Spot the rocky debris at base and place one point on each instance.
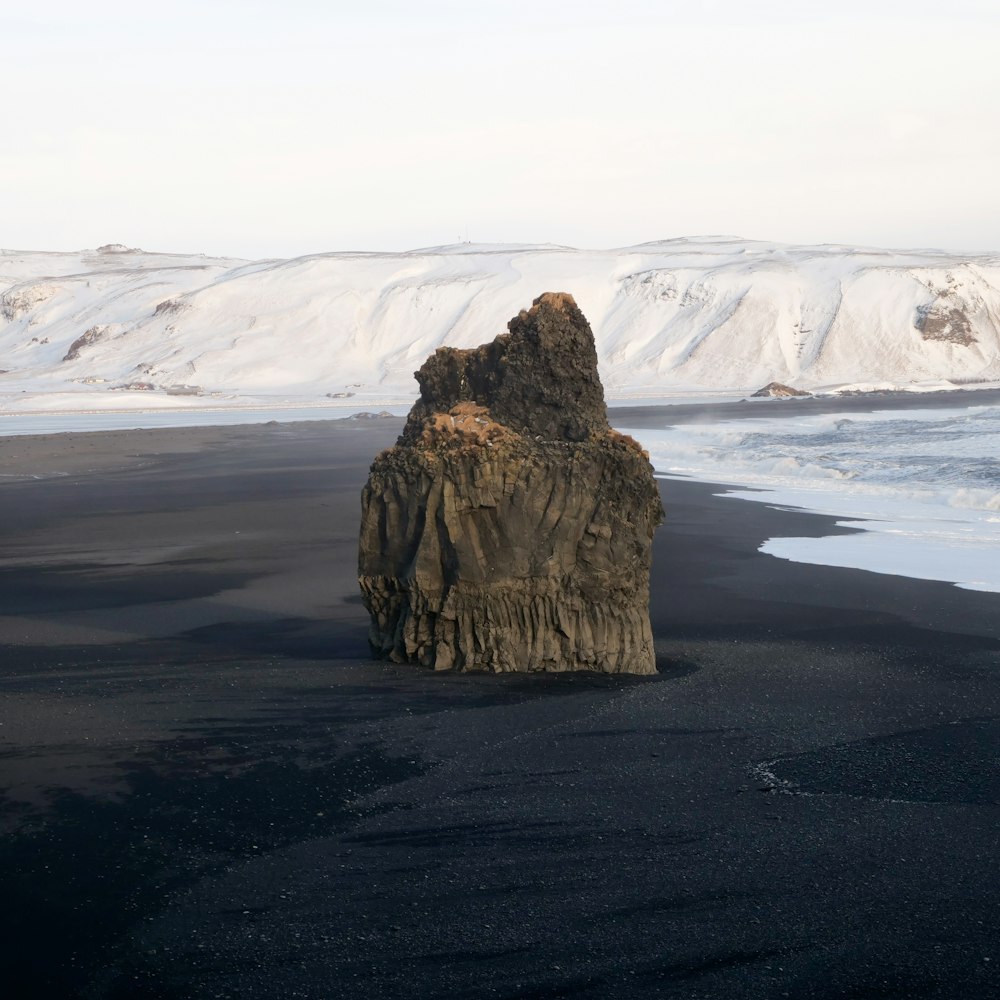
(510, 528)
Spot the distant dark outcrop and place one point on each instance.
(945, 322)
(777, 390)
(91, 336)
(510, 527)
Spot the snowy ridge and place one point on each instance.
(718, 314)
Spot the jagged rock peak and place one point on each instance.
(540, 378)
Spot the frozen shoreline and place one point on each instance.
(65, 412)
(76, 421)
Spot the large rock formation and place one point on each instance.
(510, 527)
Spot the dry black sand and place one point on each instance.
(210, 791)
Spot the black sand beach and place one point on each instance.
(209, 790)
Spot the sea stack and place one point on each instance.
(510, 528)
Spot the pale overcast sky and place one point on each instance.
(258, 128)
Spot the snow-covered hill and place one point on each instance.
(708, 313)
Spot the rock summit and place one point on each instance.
(510, 528)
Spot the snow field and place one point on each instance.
(711, 314)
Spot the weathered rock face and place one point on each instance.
(510, 527)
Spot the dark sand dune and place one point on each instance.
(210, 791)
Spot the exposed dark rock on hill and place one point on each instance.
(777, 390)
(945, 322)
(510, 527)
(91, 336)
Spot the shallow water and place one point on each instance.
(922, 486)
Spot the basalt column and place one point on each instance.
(510, 527)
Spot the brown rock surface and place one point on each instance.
(777, 390)
(510, 527)
(945, 322)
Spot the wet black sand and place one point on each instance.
(209, 791)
